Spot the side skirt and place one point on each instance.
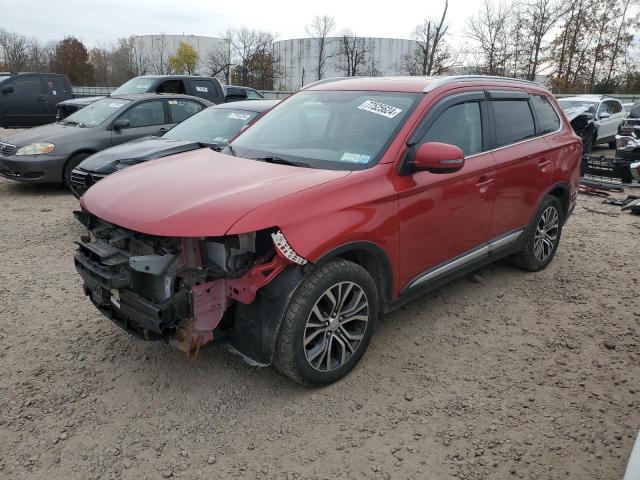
(495, 250)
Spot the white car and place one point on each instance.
(607, 114)
(633, 468)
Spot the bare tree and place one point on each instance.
(39, 55)
(488, 28)
(540, 18)
(353, 53)
(252, 51)
(319, 30)
(431, 54)
(160, 55)
(218, 59)
(15, 51)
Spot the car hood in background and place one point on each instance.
(136, 151)
(573, 113)
(51, 133)
(196, 194)
(81, 102)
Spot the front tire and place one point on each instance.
(72, 163)
(542, 237)
(328, 324)
(588, 144)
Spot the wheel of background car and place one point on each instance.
(587, 143)
(72, 163)
(542, 236)
(328, 324)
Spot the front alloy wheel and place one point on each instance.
(336, 325)
(328, 323)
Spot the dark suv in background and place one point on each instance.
(30, 99)
(208, 88)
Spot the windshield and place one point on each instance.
(3, 78)
(96, 112)
(135, 85)
(212, 126)
(585, 104)
(328, 129)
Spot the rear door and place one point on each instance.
(27, 104)
(146, 118)
(523, 160)
(58, 90)
(206, 89)
(180, 109)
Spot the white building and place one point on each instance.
(156, 49)
(298, 59)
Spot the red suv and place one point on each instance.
(346, 200)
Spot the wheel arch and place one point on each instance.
(562, 191)
(372, 258)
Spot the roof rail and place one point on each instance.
(326, 80)
(463, 78)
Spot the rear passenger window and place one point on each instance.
(29, 85)
(183, 109)
(514, 121)
(459, 125)
(547, 116)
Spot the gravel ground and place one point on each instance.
(503, 374)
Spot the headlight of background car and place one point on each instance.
(35, 149)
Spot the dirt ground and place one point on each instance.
(503, 374)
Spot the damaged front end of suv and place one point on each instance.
(187, 290)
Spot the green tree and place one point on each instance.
(185, 60)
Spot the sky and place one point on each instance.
(98, 22)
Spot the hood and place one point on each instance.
(136, 151)
(51, 133)
(196, 194)
(81, 102)
(573, 113)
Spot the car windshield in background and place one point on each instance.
(96, 113)
(213, 126)
(135, 85)
(327, 129)
(570, 104)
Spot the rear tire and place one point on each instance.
(72, 163)
(542, 237)
(328, 324)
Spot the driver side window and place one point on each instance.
(459, 125)
(145, 114)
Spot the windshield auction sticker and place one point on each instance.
(238, 116)
(378, 108)
(354, 158)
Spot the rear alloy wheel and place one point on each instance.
(72, 163)
(542, 237)
(328, 324)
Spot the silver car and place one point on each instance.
(49, 153)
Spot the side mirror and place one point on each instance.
(604, 115)
(121, 123)
(7, 89)
(438, 157)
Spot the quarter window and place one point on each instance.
(145, 114)
(459, 125)
(183, 109)
(547, 117)
(514, 121)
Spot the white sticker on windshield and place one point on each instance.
(355, 158)
(116, 105)
(239, 116)
(202, 89)
(378, 108)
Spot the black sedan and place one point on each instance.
(49, 153)
(211, 128)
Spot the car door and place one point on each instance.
(523, 161)
(57, 91)
(445, 216)
(24, 101)
(180, 109)
(146, 118)
(606, 121)
(204, 89)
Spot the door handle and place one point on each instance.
(544, 163)
(484, 182)
(163, 129)
(42, 98)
